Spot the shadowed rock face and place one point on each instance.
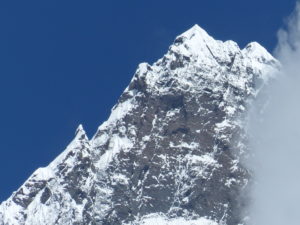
(171, 147)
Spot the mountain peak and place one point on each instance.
(195, 42)
(255, 50)
(194, 35)
(175, 134)
(195, 30)
(80, 132)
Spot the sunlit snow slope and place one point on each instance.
(169, 152)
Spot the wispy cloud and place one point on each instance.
(276, 137)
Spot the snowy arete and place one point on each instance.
(168, 154)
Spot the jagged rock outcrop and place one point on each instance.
(169, 152)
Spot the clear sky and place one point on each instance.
(66, 62)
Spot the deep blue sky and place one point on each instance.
(66, 62)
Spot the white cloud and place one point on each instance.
(275, 136)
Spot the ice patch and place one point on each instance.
(116, 145)
(223, 125)
(158, 219)
(192, 145)
(203, 159)
(43, 174)
(118, 113)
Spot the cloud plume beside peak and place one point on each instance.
(275, 136)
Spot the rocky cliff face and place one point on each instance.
(169, 152)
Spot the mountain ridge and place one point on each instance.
(172, 141)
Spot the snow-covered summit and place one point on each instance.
(256, 51)
(197, 32)
(168, 154)
(80, 131)
(195, 51)
(197, 42)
